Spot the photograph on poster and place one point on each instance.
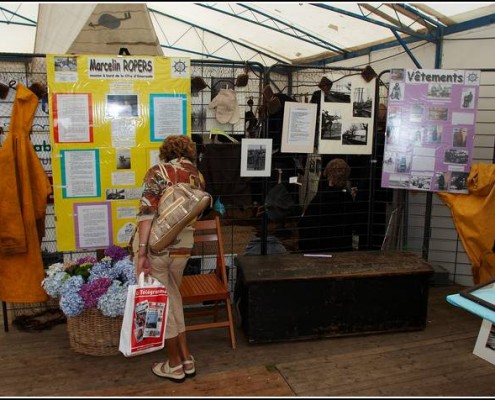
(417, 112)
(397, 91)
(403, 163)
(388, 161)
(362, 104)
(355, 134)
(256, 157)
(198, 119)
(65, 64)
(122, 105)
(440, 180)
(433, 134)
(458, 181)
(392, 134)
(115, 194)
(123, 158)
(397, 74)
(399, 181)
(331, 125)
(438, 91)
(467, 98)
(438, 114)
(420, 182)
(340, 92)
(417, 135)
(459, 137)
(456, 156)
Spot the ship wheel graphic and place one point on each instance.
(179, 66)
(472, 77)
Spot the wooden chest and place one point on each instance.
(292, 296)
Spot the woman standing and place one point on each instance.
(178, 153)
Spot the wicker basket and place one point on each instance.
(94, 334)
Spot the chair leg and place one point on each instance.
(231, 324)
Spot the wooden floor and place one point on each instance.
(437, 361)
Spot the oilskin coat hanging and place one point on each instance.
(24, 189)
(474, 215)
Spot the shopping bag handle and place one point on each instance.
(147, 280)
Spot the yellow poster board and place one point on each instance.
(109, 116)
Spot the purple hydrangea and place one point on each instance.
(116, 253)
(92, 291)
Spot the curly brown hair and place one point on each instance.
(176, 146)
(337, 172)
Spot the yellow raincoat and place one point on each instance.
(474, 217)
(24, 189)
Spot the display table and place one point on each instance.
(292, 296)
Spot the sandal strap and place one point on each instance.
(189, 362)
(166, 368)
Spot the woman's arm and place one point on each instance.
(143, 264)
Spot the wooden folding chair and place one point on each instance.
(210, 288)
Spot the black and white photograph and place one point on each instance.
(355, 134)
(122, 105)
(439, 91)
(362, 104)
(198, 119)
(420, 182)
(256, 157)
(115, 194)
(458, 182)
(123, 158)
(417, 112)
(467, 98)
(456, 156)
(65, 64)
(396, 91)
(331, 125)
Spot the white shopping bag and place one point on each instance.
(145, 318)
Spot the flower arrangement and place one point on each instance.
(87, 283)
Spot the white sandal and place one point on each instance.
(191, 371)
(164, 370)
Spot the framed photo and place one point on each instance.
(485, 344)
(482, 294)
(256, 157)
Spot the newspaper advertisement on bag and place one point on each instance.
(145, 318)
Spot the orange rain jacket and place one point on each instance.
(474, 219)
(24, 189)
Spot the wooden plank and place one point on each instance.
(258, 381)
(436, 361)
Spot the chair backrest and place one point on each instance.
(208, 241)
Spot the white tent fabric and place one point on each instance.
(59, 25)
(266, 32)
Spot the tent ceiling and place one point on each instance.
(265, 32)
